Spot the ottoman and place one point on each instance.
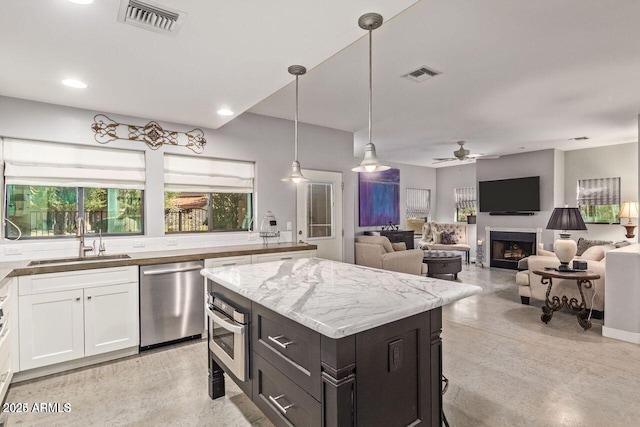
(442, 262)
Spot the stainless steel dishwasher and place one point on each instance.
(171, 302)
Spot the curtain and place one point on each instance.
(208, 175)
(600, 191)
(418, 202)
(465, 197)
(47, 163)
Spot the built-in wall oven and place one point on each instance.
(229, 335)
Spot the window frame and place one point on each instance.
(79, 208)
(595, 206)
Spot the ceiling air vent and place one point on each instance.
(150, 16)
(422, 74)
(580, 138)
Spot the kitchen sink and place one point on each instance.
(77, 259)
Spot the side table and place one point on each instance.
(556, 303)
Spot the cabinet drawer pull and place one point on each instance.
(286, 257)
(3, 298)
(4, 376)
(78, 299)
(229, 264)
(281, 344)
(89, 297)
(281, 408)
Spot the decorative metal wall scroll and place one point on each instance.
(152, 134)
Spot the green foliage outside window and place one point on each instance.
(202, 212)
(600, 214)
(463, 213)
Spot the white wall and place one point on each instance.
(602, 162)
(447, 179)
(410, 177)
(267, 141)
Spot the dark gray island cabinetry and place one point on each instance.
(330, 344)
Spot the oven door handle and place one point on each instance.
(226, 323)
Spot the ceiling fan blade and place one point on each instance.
(436, 161)
(488, 157)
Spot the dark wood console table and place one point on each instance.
(556, 303)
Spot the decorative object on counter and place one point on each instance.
(565, 219)
(471, 219)
(390, 227)
(269, 227)
(480, 253)
(370, 163)
(629, 210)
(379, 198)
(579, 264)
(296, 175)
(152, 134)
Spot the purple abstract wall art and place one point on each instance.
(379, 198)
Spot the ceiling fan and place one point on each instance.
(462, 154)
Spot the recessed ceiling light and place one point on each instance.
(74, 83)
(81, 1)
(225, 112)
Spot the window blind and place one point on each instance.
(418, 202)
(29, 162)
(465, 197)
(600, 191)
(204, 174)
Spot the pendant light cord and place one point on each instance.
(370, 86)
(295, 150)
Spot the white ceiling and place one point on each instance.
(227, 54)
(517, 76)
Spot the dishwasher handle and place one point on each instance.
(170, 270)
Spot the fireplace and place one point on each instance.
(508, 247)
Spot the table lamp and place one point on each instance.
(629, 210)
(565, 219)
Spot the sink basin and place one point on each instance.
(77, 259)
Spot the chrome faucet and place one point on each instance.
(101, 247)
(80, 233)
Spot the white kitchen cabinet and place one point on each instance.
(7, 322)
(110, 318)
(86, 313)
(227, 261)
(255, 259)
(51, 328)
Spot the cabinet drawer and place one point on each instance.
(255, 259)
(227, 261)
(281, 399)
(51, 282)
(292, 348)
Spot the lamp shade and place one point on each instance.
(628, 210)
(566, 219)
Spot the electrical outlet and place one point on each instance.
(12, 251)
(172, 242)
(139, 244)
(253, 237)
(289, 225)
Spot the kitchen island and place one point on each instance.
(323, 343)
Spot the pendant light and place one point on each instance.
(370, 163)
(295, 175)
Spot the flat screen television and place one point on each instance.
(510, 195)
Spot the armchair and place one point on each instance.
(379, 252)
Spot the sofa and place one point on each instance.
(432, 238)
(379, 252)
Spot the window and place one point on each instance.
(465, 203)
(193, 212)
(48, 185)
(204, 194)
(319, 210)
(46, 211)
(599, 200)
(418, 208)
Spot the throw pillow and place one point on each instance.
(584, 244)
(448, 238)
(622, 244)
(399, 246)
(594, 253)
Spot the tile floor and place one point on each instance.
(506, 368)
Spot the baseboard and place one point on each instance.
(73, 364)
(618, 334)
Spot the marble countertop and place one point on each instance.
(338, 299)
(22, 268)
